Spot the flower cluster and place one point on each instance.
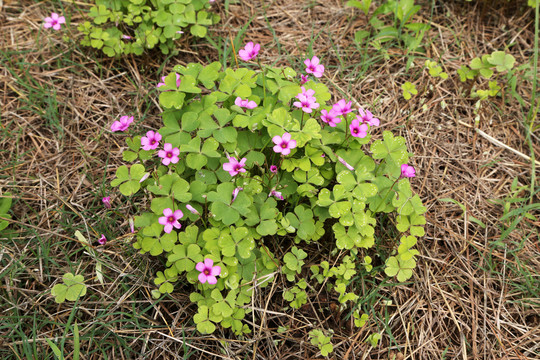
(262, 154)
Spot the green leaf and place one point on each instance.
(393, 150)
(402, 268)
(129, 182)
(502, 61)
(188, 85)
(172, 99)
(409, 89)
(72, 288)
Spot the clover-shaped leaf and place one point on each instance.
(409, 89)
(402, 268)
(185, 257)
(204, 325)
(129, 180)
(502, 61)
(72, 288)
(393, 150)
(240, 242)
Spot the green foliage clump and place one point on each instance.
(130, 26)
(401, 28)
(488, 68)
(332, 186)
(321, 341)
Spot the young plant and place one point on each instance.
(72, 288)
(120, 27)
(321, 341)
(401, 29)
(246, 157)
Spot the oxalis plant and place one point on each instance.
(251, 164)
(130, 26)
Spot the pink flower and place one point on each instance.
(122, 124)
(276, 194)
(341, 160)
(126, 37)
(307, 102)
(151, 140)
(367, 117)
(169, 155)
(211, 1)
(102, 240)
(170, 219)
(342, 107)
(107, 202)
(407, 171)
(248, 104)
(303, 79)
(235, 193)
(208, 271)
(131, 225)
(192, 209)
(55, 21)
(273, 168)
(234, 167)
(358, 130)
(250, 51)
(306, 93)
(284, 144)
(162, 83)
(313, 67)
(144, 177)
(330, 117)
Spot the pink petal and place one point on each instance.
(244, 55)
(286, 137)
(61, 20)
(292, 144)
(168, 228)
(238, 101)
(285, 151)
(54, 16)
(277, 149)
(163, 220)
(202, 278)
(208, 263)
(167, 212)
(178, 214)
(216, 270)
(276, 139)
(116, 126)
(167, 147)
(211, 279)
(227, 167)
(200, 266)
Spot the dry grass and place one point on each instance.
(472, 296)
